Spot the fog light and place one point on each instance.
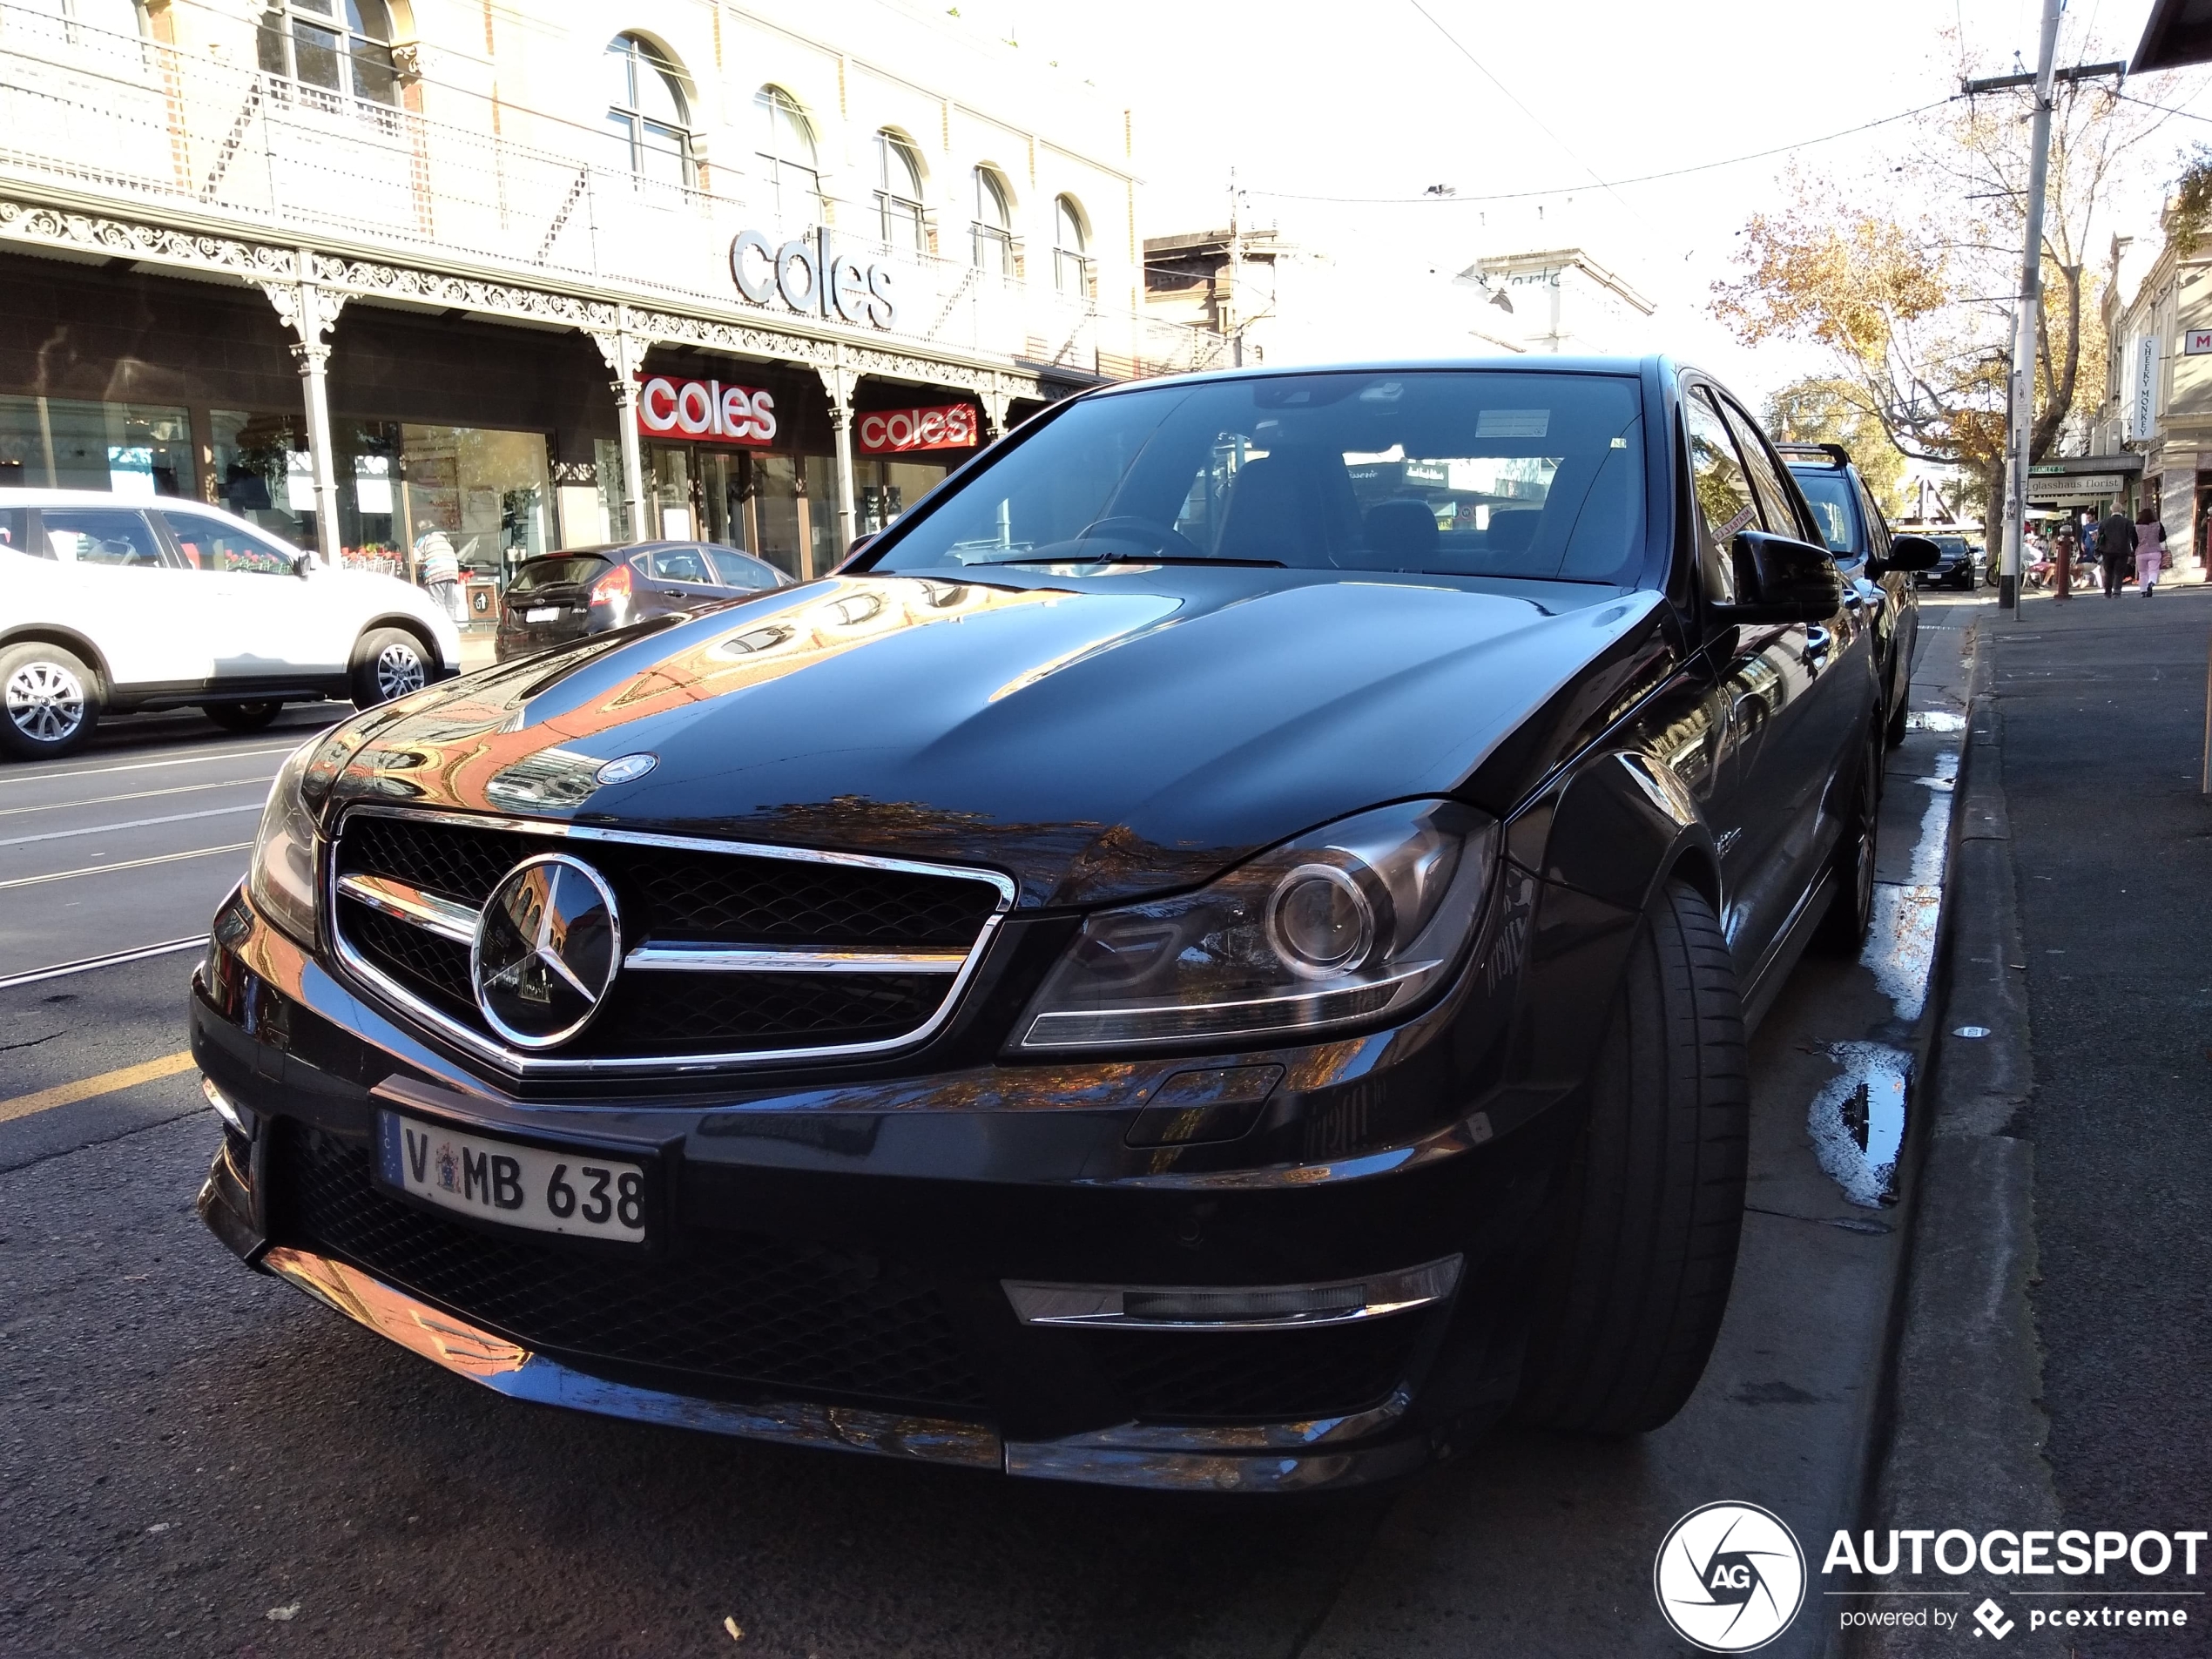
(226, 1109)
(1210, 1307)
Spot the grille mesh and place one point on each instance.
(672, 895)
(731, 1307)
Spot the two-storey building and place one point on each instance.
(551, 275)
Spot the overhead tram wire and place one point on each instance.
(1565, 148)
(1641, 178)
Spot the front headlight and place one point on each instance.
(1352, 921)
(281, 877)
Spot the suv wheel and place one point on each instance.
(1640, 1266)
(49, 702)
(388, 663)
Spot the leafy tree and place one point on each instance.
(1909, 282)
(1826, 410)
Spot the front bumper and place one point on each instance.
(839, 1277)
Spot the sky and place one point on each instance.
(1373, 100)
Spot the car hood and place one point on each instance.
(1135, 734)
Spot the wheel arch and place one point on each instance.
(413, 626)
(76, 645)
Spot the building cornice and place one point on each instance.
(210, 247)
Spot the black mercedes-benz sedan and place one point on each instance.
(1215, 954)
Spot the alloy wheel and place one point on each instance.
(45, 701)
(399, 670)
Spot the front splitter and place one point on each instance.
(1312, 1461)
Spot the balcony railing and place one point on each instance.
(149, 126)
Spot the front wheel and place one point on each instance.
(388, 663)
(49, 702)
(1639, 1269)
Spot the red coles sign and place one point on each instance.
(706, 410)
(890, 432)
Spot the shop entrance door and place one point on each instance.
(699, 495)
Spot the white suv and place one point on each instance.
(115, 605)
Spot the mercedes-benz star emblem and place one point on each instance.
(546, 950)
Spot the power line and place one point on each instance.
(1562, 144)
(1642, 179)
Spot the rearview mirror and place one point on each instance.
(303, 563)
(1912, 553)
(1779, 579)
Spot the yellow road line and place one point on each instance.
(126, 864)
(86, 1088)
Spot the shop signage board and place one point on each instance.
(2085, 487)
(2196, 343)
(808, 275)
(891, 432)
(705, 412)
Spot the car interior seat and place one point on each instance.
(1293, 507)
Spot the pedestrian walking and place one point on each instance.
(2116, 548)
(2151, 549)
(441, 568)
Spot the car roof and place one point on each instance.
(26, 496)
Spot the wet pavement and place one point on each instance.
(200, 1460)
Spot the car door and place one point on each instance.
(1831, 681)
(276, 626)
(1760, 673)
(1904, 600)
(148, 612)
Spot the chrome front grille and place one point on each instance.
(732, 951)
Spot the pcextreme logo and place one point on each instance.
(1730, 1577)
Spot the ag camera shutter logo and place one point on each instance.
(1730, 1577)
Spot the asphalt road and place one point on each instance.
(135, 839)
(196, 1459)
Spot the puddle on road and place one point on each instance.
(1900, 950)
(1857, 1121)
(1934, 720)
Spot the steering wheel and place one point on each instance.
(1163, 538)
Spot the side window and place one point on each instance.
(737, 571)
(210, 544)
(1877, 527)
(103, 536)
(1778, 505)
(15, 533)
(1724, 502)
(680, 564)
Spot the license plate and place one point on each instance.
(574, 1190)
(544, 613)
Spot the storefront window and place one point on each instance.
(133, 449)
(488, 492)
(887, 488)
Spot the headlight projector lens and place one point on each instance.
(1320, 921)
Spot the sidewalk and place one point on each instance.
(2053, 1366)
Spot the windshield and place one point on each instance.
(1446, 471)
(556, 573)
(1830, 493)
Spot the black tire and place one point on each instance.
(388, 663)
(50, 701)
(1893, 732)
(1653, 1206)
(1850, 915)
(241, 716)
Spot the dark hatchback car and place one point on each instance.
(560, 597)
(1215, 954)
(1958, 563)
(1883, 577)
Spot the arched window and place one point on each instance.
(992, 234)
(898, 194)
(646, 118)
(1070, 248)
(343, 46)
(789, 166)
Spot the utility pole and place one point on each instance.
(1235, 309)
(2020, 436)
